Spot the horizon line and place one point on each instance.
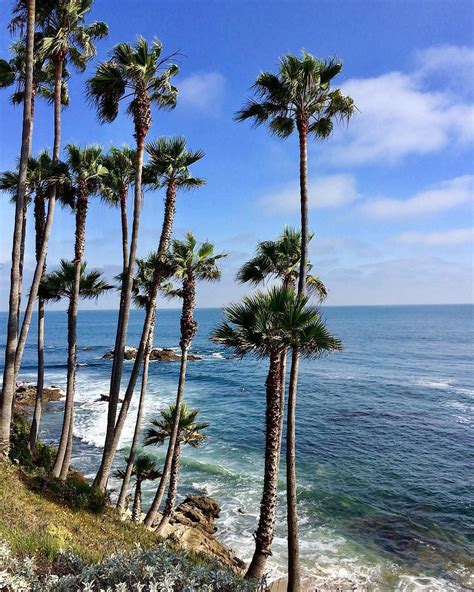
(222, 306)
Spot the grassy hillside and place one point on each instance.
(35, 522)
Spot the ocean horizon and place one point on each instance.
(384, 437)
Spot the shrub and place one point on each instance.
(158, 570)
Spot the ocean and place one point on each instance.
(385, 438)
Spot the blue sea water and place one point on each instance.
(385, 438)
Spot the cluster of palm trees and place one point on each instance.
(278, 324)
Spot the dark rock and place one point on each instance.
(198, 510)
(106, 398)
(25, 394)
(157, 354)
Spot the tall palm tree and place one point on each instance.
(142, 284)
(42, 174)
(8, 388)
(299, 97)
(143, 469)
(86, 172)
(13, 73)
(168, 168)
(280, 259)
(55, 286)
(265, 325)
(120, 164)
(193, 263)
(189, 431)
(141, 73)
(66, 39)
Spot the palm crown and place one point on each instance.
(42, 173)
(169, 163)
(60, 283)
(138, 71)
(120, 165)
(269, 322)
(189, 430)
(144, 468)
(191, 259)
(280, 258)
(144, 275)
(300, 96)
(66, 36)
(85, 167)
(13, 72)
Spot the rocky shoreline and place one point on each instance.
(157, 354)
(25, 394)
(192, 527)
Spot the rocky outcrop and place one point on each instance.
(193, 526)
(25, 394)
(158, 354)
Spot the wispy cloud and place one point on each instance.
(452, 65)
(444, 238)
(446, 195)
(326, 192)
(403, 114)
(203, 91)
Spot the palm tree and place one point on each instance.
(298, 97)
(141, 73)
(142, 284)
(13, 73)
(120, 164)
(168, 168)
(65, 39)
(189, 431)
(86, 171)
(280, 259)
(41, 175)
(265, 325)
(8, 388)
(59, 284)
(143, 469)
(192, 263)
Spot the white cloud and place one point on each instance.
(401, 114)
(414, 280)
(204, 91)
(449, 64)
(446, 195)
(443, 238)
(325, 192)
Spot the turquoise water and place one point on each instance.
(385, 440)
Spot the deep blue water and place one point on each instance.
(385, 438)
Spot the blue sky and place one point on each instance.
(391, 194)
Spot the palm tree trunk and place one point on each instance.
(142, 122)
(137, 502)
(8, 389)
(40, 263)
(188, 330)
(110, 446)
(40, 220)
(35, 422)
(268, 505)
(63, 457)
(172, 490)
(22, 258)
(123, 216)
(136, 434)
(294, 571)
